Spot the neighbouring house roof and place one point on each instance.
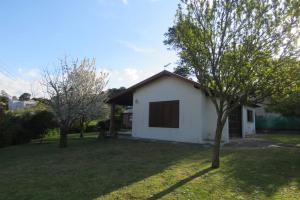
(125, 97)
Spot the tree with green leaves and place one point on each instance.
(4, 99)
(287, 103)
(237, 50)
(25, 97)
(182, 71)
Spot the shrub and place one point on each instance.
(40, 123)
(75, 127)
(12, 130)
(104, 125)
(22, 126)
(91, 128)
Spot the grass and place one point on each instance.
(123, 169)
(292, 139)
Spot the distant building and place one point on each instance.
(16, 104)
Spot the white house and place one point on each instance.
(170, 107)
(16, 104)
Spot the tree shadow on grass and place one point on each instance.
(179, 184)
(87, 168)
(263, 170)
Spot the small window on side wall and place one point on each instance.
(164, 114)
(249, 115)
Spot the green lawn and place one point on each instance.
(291, 139)
(121, 169)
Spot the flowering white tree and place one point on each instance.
(90, 86)
(74, 89)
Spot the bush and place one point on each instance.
(104, 125)
(40, 123)
(75, 127)
(12, 130)
(91, 128)
(22, 126)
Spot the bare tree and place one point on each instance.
(74, 87)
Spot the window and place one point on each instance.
(249, 115)
(164, 114)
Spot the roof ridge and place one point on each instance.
(150, 79)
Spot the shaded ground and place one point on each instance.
(125, 169)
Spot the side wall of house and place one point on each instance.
(210, 118)
(195, 118)
(248, 128)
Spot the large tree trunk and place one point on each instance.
(63, 137)
(216, 150)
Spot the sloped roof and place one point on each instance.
(125, 97)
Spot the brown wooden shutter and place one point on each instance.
(164, 114)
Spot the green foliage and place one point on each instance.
(25, 97)
(238, 50)
(89, 127)
(118, 108)
(115, 91)
(288, 105)
(4, 100)
(104, 124)
(25, 124)
(12, 130)
(40, 122)
(288, 102)
(182, 71)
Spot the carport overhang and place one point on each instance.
(124, 99)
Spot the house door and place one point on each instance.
(235, 123)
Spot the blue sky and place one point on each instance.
(125, 36)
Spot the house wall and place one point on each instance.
(16, 104)
(248, 128)
(197, 116)
(210, 118)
